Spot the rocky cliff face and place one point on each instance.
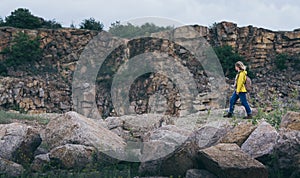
(258, 45)
(49, 90)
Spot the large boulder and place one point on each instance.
(73, 128)
(135, 125)
(175, 149)
(167, 151)
(288, 150)
(72, 156)
(291, 120)
(161, 142)
(174, 164)
(18, 142)
(10, 169)
(210, 135)
(228, 160)
(239, 133)
(261, 142)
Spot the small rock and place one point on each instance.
(199, 173)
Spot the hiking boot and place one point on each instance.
(229, 114)
(249, 116)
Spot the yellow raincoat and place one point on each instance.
(240, 80)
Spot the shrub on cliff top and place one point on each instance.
(91, 24)
(22, 18)
(1, 22)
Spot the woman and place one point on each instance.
(240, 91)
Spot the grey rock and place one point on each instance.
(199, 173)
(288, 150)
(73, 128)
(41, 163)
(10, 168)
(18, 142)
(261, 141)
(228, 160)
(72, 156)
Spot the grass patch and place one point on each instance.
(121, 170)
(9, 117)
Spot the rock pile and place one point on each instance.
(216, 148)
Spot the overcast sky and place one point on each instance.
(271, 14)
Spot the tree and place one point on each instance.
(1, 22)
(52, 24)
(22, 18)
(129, 30)
(91, 24)
(73, 25)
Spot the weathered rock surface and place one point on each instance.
(261, 141)
(291, 120)
(208, 135)
(167, 151)
(10, 168)
(175, 164)
(18, 142)
(162, 141)
(199, 173)
(228, 160)
(288, 150)
(50, 90)
(72, 156)
(41, 163)
(73, 128)
(239, 133)
(74, 142)
(137, 125)
(177, 148)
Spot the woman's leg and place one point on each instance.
(232, 102)
(244, 102)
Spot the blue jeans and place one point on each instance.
(243, 98)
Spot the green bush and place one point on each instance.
(91, 24)
(228, 58)
(283, 60)
(295, 60)
(280, 61)
(24, 50)
(1, 22)
(52, 24)
(3, 69)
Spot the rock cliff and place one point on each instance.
(49, 88)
